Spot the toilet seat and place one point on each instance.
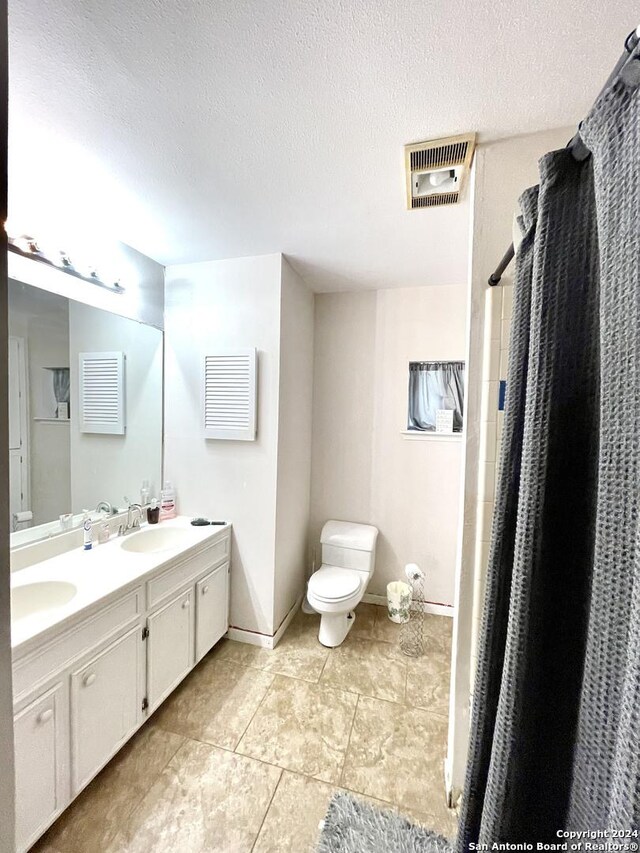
(333, 585)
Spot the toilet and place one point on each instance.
(348, 561)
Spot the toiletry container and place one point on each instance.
(167, 501)
(88, 530)
(153, 512)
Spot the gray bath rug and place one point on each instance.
(356, 827)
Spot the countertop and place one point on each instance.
(97, 574)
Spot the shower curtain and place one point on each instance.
(555, 734)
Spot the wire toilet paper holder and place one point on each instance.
(412, 631)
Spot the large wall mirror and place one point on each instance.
(85, 409)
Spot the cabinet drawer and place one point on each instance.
(212, 609)
(63, 650)
(106, 705)
(41, 755)
(173, 579)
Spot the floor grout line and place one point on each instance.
(324, 666)
(260, 703)
(346, 751)
(255, 841)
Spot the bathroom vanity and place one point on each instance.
(100, 638)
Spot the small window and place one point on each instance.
(435, 386)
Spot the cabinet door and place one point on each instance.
(170, 647)
(106, 705)
(41, 749)
(212, 609)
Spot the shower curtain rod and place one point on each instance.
(575, 145)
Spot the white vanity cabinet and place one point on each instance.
(170, 646)
(212, 609)
(41, 746)
(81, 691)
(106, 705)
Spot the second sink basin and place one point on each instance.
(153, 541)
(39, 597)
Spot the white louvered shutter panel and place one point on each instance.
(230, 395)
(101, 403)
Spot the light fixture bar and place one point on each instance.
(67, 267)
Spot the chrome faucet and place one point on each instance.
(106, 506)
(132, 523)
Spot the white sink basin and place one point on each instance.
(153, 541)
(40, 597)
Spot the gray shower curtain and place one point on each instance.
(555, 735)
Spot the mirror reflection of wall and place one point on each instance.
(40, 445)
(57, 468)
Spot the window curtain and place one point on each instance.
(61, 384)
(435, 385)
(555, 721)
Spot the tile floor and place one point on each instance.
(247, 752)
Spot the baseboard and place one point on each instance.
(429, 606)
(285, 622)
(265, 641)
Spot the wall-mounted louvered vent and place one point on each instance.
(230, 395)
(437, 170)
(435, 200)
(101, 385)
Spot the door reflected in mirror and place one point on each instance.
(85, 411)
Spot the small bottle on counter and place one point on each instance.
(153, 512)
(168, 501)
(104, 532)
(88, 530)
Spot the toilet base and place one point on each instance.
(334, 628)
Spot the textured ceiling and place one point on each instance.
(197, 130)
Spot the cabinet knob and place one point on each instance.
(205, 589)
(185, 603)
(89, 679)
(45, 716)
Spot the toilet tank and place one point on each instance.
(348, 545)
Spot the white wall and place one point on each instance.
(502, 171)
(41, 319)
(364, 469)
(294, 440)
(220, 305)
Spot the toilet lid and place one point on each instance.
(333, 584)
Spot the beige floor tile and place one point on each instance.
(396, 754)
(428, 682)
(292, 822)
(367, 667)
(43, 846)
(364, 626)
(215, 703)
(302, 727)
(384, 629)
(297, 655)
(206, 799)
(438, 632)
(93, 821)
(445, 822)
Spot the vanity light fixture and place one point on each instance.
(28, 247)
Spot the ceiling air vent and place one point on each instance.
(437, 170)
